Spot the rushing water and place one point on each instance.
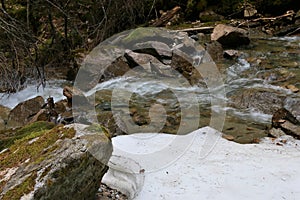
(53, 88)
(267, 63)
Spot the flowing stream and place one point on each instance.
(267, 64)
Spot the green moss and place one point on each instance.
(24, 188)
(23, 149)
(180, 26)
(139, 34)
(96, 128)
(8, 137)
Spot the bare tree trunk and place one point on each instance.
(28, 13)
(66, 32)
(3, 5)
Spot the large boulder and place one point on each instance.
(230, 36)
(61, 163)
(24, 111)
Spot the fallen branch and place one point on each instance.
(198, 29)
(288, 14)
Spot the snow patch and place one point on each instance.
(230, 171)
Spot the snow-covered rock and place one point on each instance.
(269, 170)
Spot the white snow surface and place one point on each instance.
(269, 170)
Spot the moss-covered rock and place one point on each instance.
(61, 163)
(8, 137)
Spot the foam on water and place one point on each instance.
(142, 86)
(53, 88)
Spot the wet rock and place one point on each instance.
(286, 122)
(74, 96)
(147, 62)
(230, 36)
(215, 50)
(24, 111)
(58, 164)
(184, 65)
(282, 115)
(291, 129)
(61, 106)
(292, 105)
(107, 119)
(117, 68)
(262, 100)
(157, 49)
(231, 54)
(42, 115)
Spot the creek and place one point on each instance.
(267, 64)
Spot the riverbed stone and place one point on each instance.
(286, 122)
(24, 111)
(230, 36)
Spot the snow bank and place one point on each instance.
(230, 171)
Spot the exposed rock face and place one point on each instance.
(261, 100)
(230, 36)
(24, 111)
(58, 164)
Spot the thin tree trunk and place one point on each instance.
(28, 13)
(3, 5)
